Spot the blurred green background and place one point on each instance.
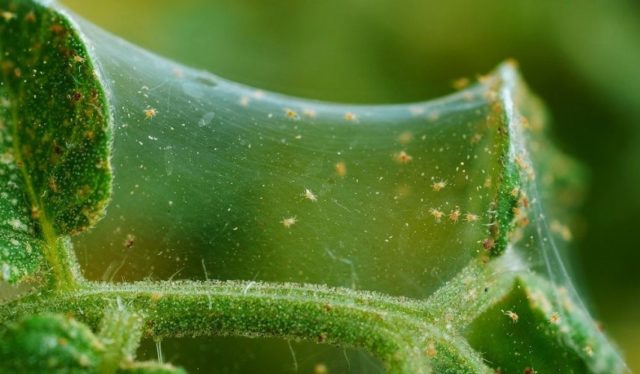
(581, 57)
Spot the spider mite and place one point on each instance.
(437, 214)
(288, 222)
(149, 113)
(454, 215)
(291, 114)
(350, 117)
(402, 157)
(470, 217)
(439, 185)
(309, 195)
(511, 315)
(129, 241)
(341, 169)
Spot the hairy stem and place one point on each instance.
(389, 328)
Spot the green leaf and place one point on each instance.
(52, 343)
(49, 344)
(151, 368)
(530, 328)
(120, 332)
(54, 138)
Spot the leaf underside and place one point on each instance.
(55, 161)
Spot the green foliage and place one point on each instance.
(150, 368)
(527, 329)
(464, 171)
(55, 161)
(49, 344)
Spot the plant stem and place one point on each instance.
(389, 328)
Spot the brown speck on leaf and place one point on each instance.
(488, 244)
(90, 111)
(155, 296)
(322, 337)
(30, 17)
(521, 218)
(65, 52)
(494, 229)
(75, 96)
(491, 95)
(555, 318)
(523, 201)
(460, 83)
(7, 66)
(53, 185)
(515, 192)
(35, 212)
(78, 59)
(528, 371)
(431, 351)
(524, 166)
(56, 148)
(17, 72)
(83, 191)
(57, 29)
(102, 164)
(496, 107)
